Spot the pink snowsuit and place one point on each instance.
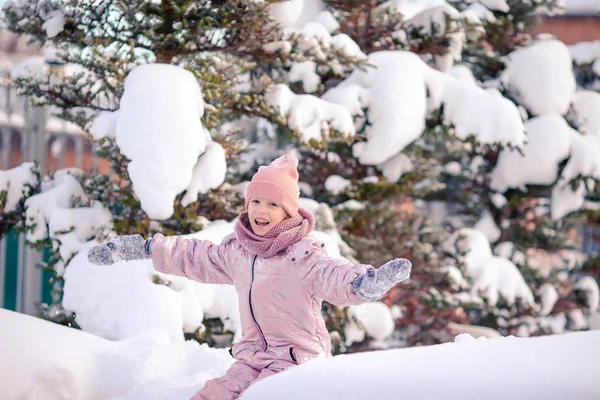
(279, 298)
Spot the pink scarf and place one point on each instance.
(288, 232)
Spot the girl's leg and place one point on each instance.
(272, 369)
(229, 386)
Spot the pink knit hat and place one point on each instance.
(278, 182)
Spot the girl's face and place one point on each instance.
(264, 215)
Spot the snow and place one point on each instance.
(410, 8)
(31, 67)
(473, 111)
(496, 5)
(327, 19)
(336, 184)
(589, 285)
(582, 6)
(54, 24)
(62, 363)
(585, 52)
(308, 115)
(464, 74)
(447, 23)
(62, 212)
(548, 298)
(158, 128)
(17, 183)
(548, 143)
(542, 91)
(490, 275)
(53, 362)
(395, 167)
(586, 104)
(104, 125)
(488, 227)
(209, 173)
(286, 13)
(373, 319)
(121, 300)
(305, 72)
(584, 161)
(396, 103)
(395, 94)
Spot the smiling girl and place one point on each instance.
(281, 274)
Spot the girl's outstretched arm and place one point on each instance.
(342, 283)
(196, 259)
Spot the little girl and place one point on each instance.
(281, 275)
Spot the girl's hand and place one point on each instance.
(128, 248)
(376, 282)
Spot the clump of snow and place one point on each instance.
(31, 67)
(395, 167)
(488, 227)
(490, 275)
(310, 116)
(209, 173)
(336, 184)
(104, 125)
(477, 13)
(507, 250)
(159, 119)
(373, 319)
(396, 103)
(327, 19)
(586, 52)
(488, 116)
(585, 162)
(498, 200)
(548, 142)
(286, 13)
(589, 286)
(464, 74)
(548, 298)
(350, 205)
(305, 72)
(472, 331)
(18, 184)
(54, 24)
(447, 23)
(548, 90)
(586, 104)
(62, 212)
(496, 5)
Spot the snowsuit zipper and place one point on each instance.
(250, 302)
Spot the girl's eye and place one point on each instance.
(274, 205)
(255, 201)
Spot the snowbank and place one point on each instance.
(548, 368)
(54, 362)
(42, 360)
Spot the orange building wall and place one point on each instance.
(571, 29)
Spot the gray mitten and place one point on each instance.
(373, 284)
(128, 248)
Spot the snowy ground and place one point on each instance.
(46, 361)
